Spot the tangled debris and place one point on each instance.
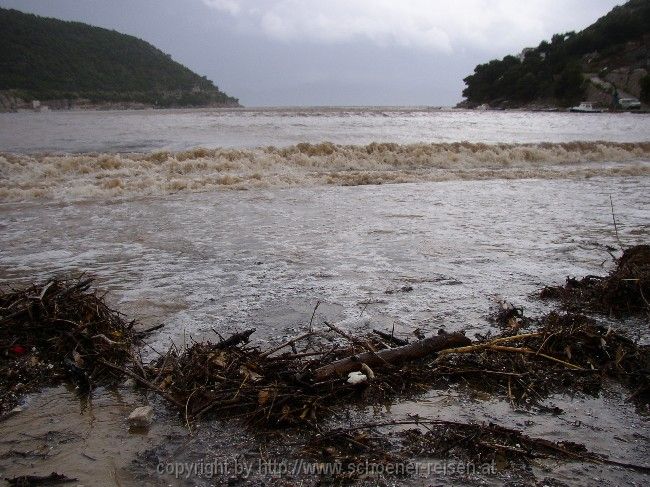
(62, 331)
(566, 352)
(57, 331)
(625, 291)
(509, 317)
(233, 379)
(375, 448)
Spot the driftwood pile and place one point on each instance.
(561, 353)
(273, 388)
(625, 291)
(277, 387)
(56, 331)
(62, 331)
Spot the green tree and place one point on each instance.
(553, 69)
(570, 86)
(48, 58)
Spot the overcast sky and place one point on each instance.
(333, 52)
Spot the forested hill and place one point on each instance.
(49, 59)
(596, 63)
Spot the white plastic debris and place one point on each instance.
(141, 417)
(357, 378)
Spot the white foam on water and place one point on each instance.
(65, 177)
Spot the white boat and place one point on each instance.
(585, 107)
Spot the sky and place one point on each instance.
(333, 52)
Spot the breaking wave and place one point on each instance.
(79, 176)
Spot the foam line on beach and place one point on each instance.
(89, 175)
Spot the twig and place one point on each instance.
(187, 417)
(108, 340)
(313, 314)
(611, 203)
(298, 355)
(541, 347)
(286, 344)
(481, 346)
(40, 297)
(149, 330)
(493, 345)
(390, 337)
(503, 348)
(235, 339)
(352, 339)
(164, 364)
(142, 381)
(368, 346)
(512, 402)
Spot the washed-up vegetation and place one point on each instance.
(624, 291)
(560, 353)
(233, 378)
(61, 331)
(378, 447)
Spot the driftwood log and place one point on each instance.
(52, 479)
(392, 356)
(236, 339)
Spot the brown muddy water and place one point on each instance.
(263, 258)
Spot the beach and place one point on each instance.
(390, 218)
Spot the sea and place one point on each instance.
(390, 218)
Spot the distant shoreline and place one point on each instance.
(17, 105)
(85, 106)
(241, 107)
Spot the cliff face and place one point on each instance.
(610, 56)
(627, 79)
(75, 64)
(606, 88)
